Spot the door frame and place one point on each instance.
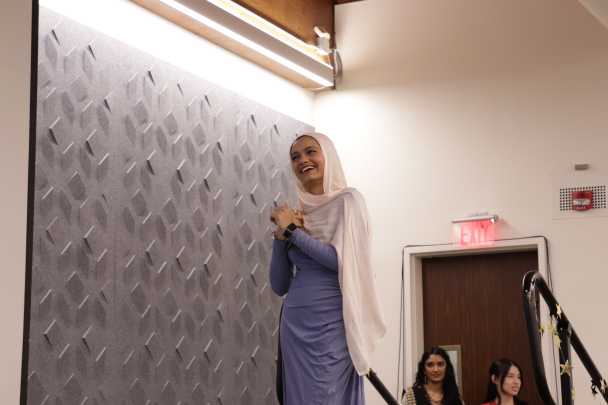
(414, 323)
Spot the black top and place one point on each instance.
(416, 396)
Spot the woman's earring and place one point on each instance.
(426, 379)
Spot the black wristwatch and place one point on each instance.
(291, 228)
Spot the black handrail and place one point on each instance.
(380, 387)
(533, 282)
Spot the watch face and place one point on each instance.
(292, 228)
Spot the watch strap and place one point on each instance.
(291, 228)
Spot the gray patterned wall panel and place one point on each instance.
(151, 233)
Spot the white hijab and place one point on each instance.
(339, 218)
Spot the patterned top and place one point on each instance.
(418, 396)
(415, 396)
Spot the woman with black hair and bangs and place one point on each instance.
(506, 380)
(435, 381)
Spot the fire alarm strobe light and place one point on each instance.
(582, 200)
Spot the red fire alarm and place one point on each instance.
(582, 200)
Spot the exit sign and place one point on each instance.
(470, 234)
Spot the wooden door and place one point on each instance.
(476, 301)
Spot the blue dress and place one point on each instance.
(317, 367)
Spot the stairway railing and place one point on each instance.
(380, 387)
(533, 283)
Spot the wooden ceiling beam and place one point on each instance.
(297, 17)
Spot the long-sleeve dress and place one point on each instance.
(317, 367)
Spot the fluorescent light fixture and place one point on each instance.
(475, 218)
(230, 25)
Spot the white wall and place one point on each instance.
(15, 34)
(135, 26)
(448, 108)
(445, 108)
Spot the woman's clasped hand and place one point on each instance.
(283, 216)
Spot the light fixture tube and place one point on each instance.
(494, 218)
(241, 31)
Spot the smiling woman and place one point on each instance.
(308, 163)
(435, 381)
(505, 383)
(332, 319)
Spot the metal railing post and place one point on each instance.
(564, 331)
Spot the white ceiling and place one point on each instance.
(466, 37)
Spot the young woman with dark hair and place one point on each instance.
(435, 381)
(506, 380)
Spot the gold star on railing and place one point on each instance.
(603, 388)
(542, 329)
(552, 329)
(566, 368)
(593, 392)
(559, 311)
(573, 394)
(557, 340)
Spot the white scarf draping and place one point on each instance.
(339, 218)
